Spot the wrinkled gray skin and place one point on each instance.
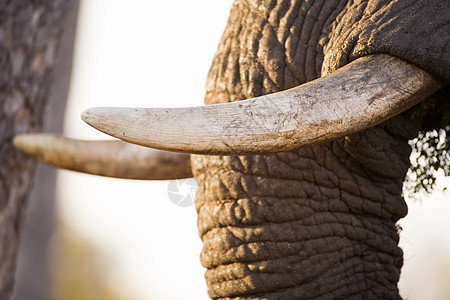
(319, 222)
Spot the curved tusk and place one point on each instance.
(105, 158)
(358, 96)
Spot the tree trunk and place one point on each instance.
(33, 275)
(30, 32)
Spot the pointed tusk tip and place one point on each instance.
(18, 141)
(86, 115)
(93, 117)
(29, 142)
(96, 115)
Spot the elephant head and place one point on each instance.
(300, 185)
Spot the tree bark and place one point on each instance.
(33, 275)
(30, 32)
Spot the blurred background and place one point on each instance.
(125, 239)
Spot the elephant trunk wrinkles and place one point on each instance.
(302, 224)
(317, 222)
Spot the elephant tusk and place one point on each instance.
(105, 158)
(358, 96)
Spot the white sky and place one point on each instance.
(157, 54)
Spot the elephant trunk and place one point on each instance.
(273, 229)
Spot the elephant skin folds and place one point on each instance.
(318, 222)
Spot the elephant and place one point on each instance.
(300, 185)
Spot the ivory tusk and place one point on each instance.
(106, 158)
(358, 96)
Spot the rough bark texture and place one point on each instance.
(319, 222)
(33, 278)
(29, 38)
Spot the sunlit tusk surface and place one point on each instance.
(357, 96)
(106, 158)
